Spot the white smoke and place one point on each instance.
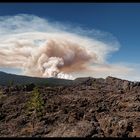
(43, 49)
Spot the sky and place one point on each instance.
(119, 20)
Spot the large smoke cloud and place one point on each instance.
(44, 49)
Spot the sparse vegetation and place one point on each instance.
(1, 94)
(35, 106)
(36, 103)
(11, 83)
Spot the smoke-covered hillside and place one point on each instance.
(8, 79)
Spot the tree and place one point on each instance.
(35, 106)
(11, 83)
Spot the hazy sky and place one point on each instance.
(122, 21)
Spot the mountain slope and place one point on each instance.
(7, 79)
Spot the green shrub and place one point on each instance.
(11, 83)
(1, 94)
(35, 105)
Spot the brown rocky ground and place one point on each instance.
(88, 108)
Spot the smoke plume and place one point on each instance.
(44, 49)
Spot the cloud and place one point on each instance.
(51, 49)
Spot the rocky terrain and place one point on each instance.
(88, 107)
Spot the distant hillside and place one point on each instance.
(6, 79)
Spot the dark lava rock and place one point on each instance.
(88, 107)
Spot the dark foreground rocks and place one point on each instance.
(88, 108)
